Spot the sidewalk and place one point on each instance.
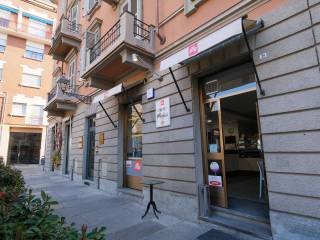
(121, 216)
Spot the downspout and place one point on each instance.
(161, 37)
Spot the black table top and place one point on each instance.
(151, 182)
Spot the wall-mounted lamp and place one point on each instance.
(137, 58)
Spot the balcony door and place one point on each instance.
(133, 6)
(73, 15)
(72, 68)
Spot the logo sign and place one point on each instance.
(163, 112)
(215, 181)
(137, 166)
(193, 49)
(215, 173)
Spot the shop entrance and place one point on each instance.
(67, 148)
(133, 160)
(234, 165)
(24, 148)
(91, 147)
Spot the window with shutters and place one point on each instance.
(35, 115)
(3, 43)
(31, 80)
(37, 28)
(34, 51)
(4, 18)
(19, 109)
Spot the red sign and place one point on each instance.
(193, 49)
(137, 166)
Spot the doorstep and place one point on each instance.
(253, 228)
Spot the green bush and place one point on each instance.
(11, 180)
(23, 216)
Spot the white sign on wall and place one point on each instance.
(163, 112)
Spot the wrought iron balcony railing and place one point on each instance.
(138, 28)
(52, 93)
(67, 27)
(65, 90)
(105, 41)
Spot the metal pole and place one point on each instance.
(175, 82)
(262, 92)
(131, 101)
(105, 111)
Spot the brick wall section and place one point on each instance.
(289, 115)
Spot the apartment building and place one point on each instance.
(25, 78)
(217, 99)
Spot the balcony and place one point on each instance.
(19, 29)
(59, 98)
(66, 37)
(111, 58)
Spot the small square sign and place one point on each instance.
(150, 93)
(193, 49)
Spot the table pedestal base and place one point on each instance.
(155, 210)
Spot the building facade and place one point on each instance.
(217, 99)
(25, 78)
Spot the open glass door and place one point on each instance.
(214, 152)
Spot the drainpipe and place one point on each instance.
(159, 35)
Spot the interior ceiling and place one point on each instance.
(242, 104)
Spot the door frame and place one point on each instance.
(87, 150)
(213, 156)
(66, 146)
(125, 142)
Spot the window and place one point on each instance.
(72, 74)
(4, 18)
(37, 28)
(31, 80)
(74, 13)
(35, 114)
(73, 16)
(3, 42)
(63, 5)
(19, 109)
(90, 5)
(1, 71)
(34, 51)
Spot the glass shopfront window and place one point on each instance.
(133, 163)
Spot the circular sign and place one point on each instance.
(214, 166)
